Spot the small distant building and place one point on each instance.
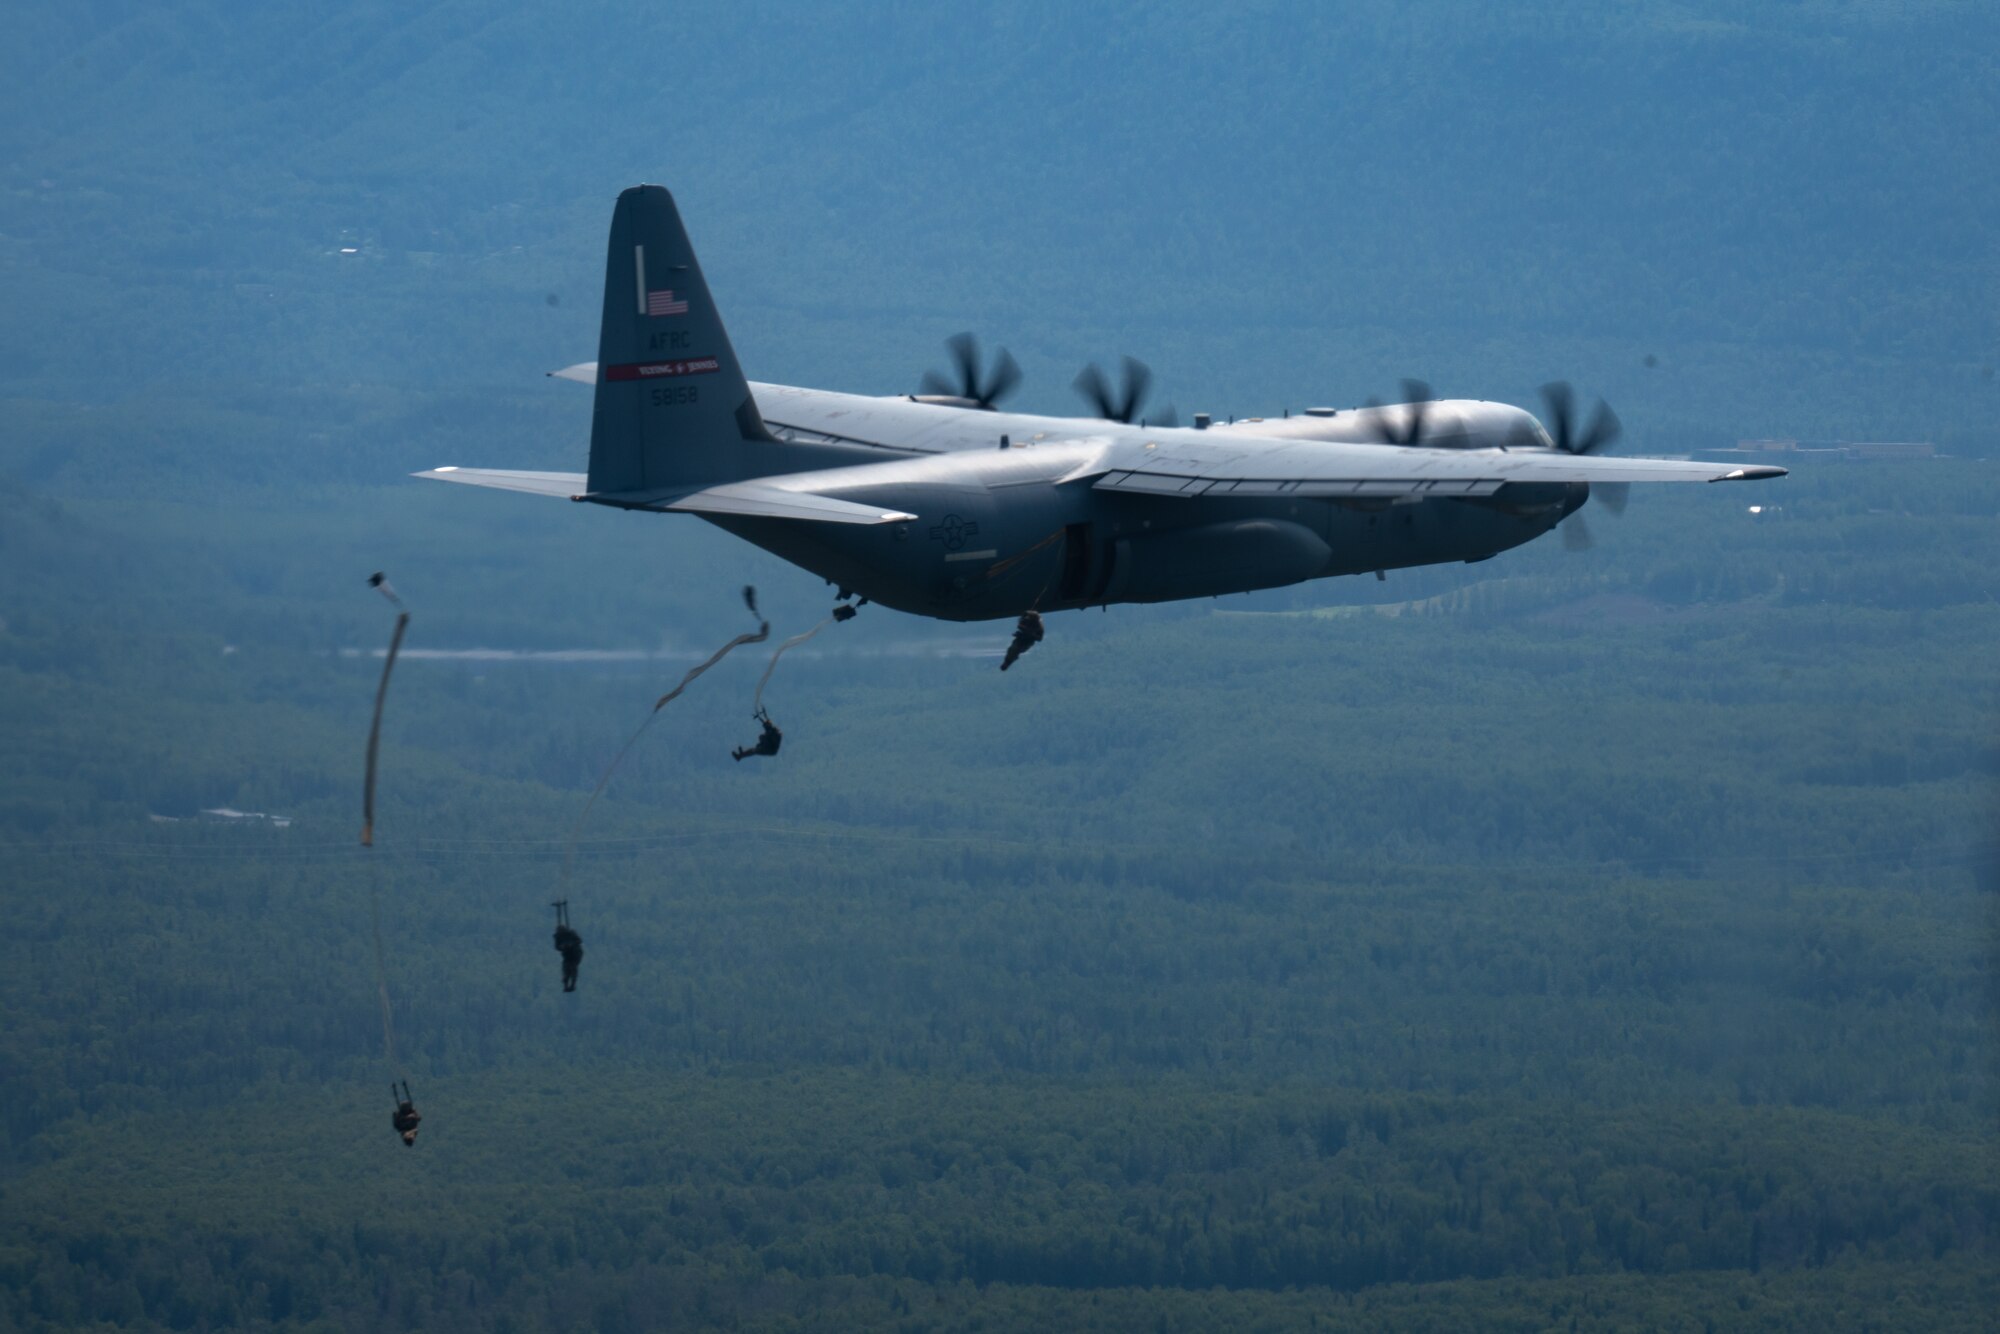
(1890, 449)
(253, 817)
(1833, 449)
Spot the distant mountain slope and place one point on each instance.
(1790, 213)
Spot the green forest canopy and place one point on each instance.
(1601, 937)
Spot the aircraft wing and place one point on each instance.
(1184, 462)
(1318, 468)
(752, 499)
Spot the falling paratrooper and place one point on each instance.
(406, 1117)
(767, 741)
(762, 633)
(1028, 632)
(770, 738)
(568, 944)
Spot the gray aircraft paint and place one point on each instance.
(919, 507)
(672, 410)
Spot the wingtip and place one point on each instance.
(1755, 473)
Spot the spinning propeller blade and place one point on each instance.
(1124, 405)
(983, 392)
(1604, 426)
(1410, 431)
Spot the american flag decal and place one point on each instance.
(663, 303)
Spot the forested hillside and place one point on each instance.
(1626, 916)
(1598, 939)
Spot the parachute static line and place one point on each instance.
(382, 978)
(375, 727)
(757, 704)
(763, 633)
(999, 569)
(380, 583)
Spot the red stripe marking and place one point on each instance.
(654, 370)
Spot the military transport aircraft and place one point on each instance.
(942, 506)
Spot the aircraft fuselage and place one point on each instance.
(934, 504)
(1001, 531)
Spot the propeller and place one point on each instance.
(1603, 429)
(969, 388)
(1612, 495)
(1418, 395)
(1600, 433)
(1123, 406)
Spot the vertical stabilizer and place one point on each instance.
(673, 409)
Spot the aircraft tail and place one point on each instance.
(673, 410)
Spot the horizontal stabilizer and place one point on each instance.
(584, 372)
(758, 500)
(564, 484)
